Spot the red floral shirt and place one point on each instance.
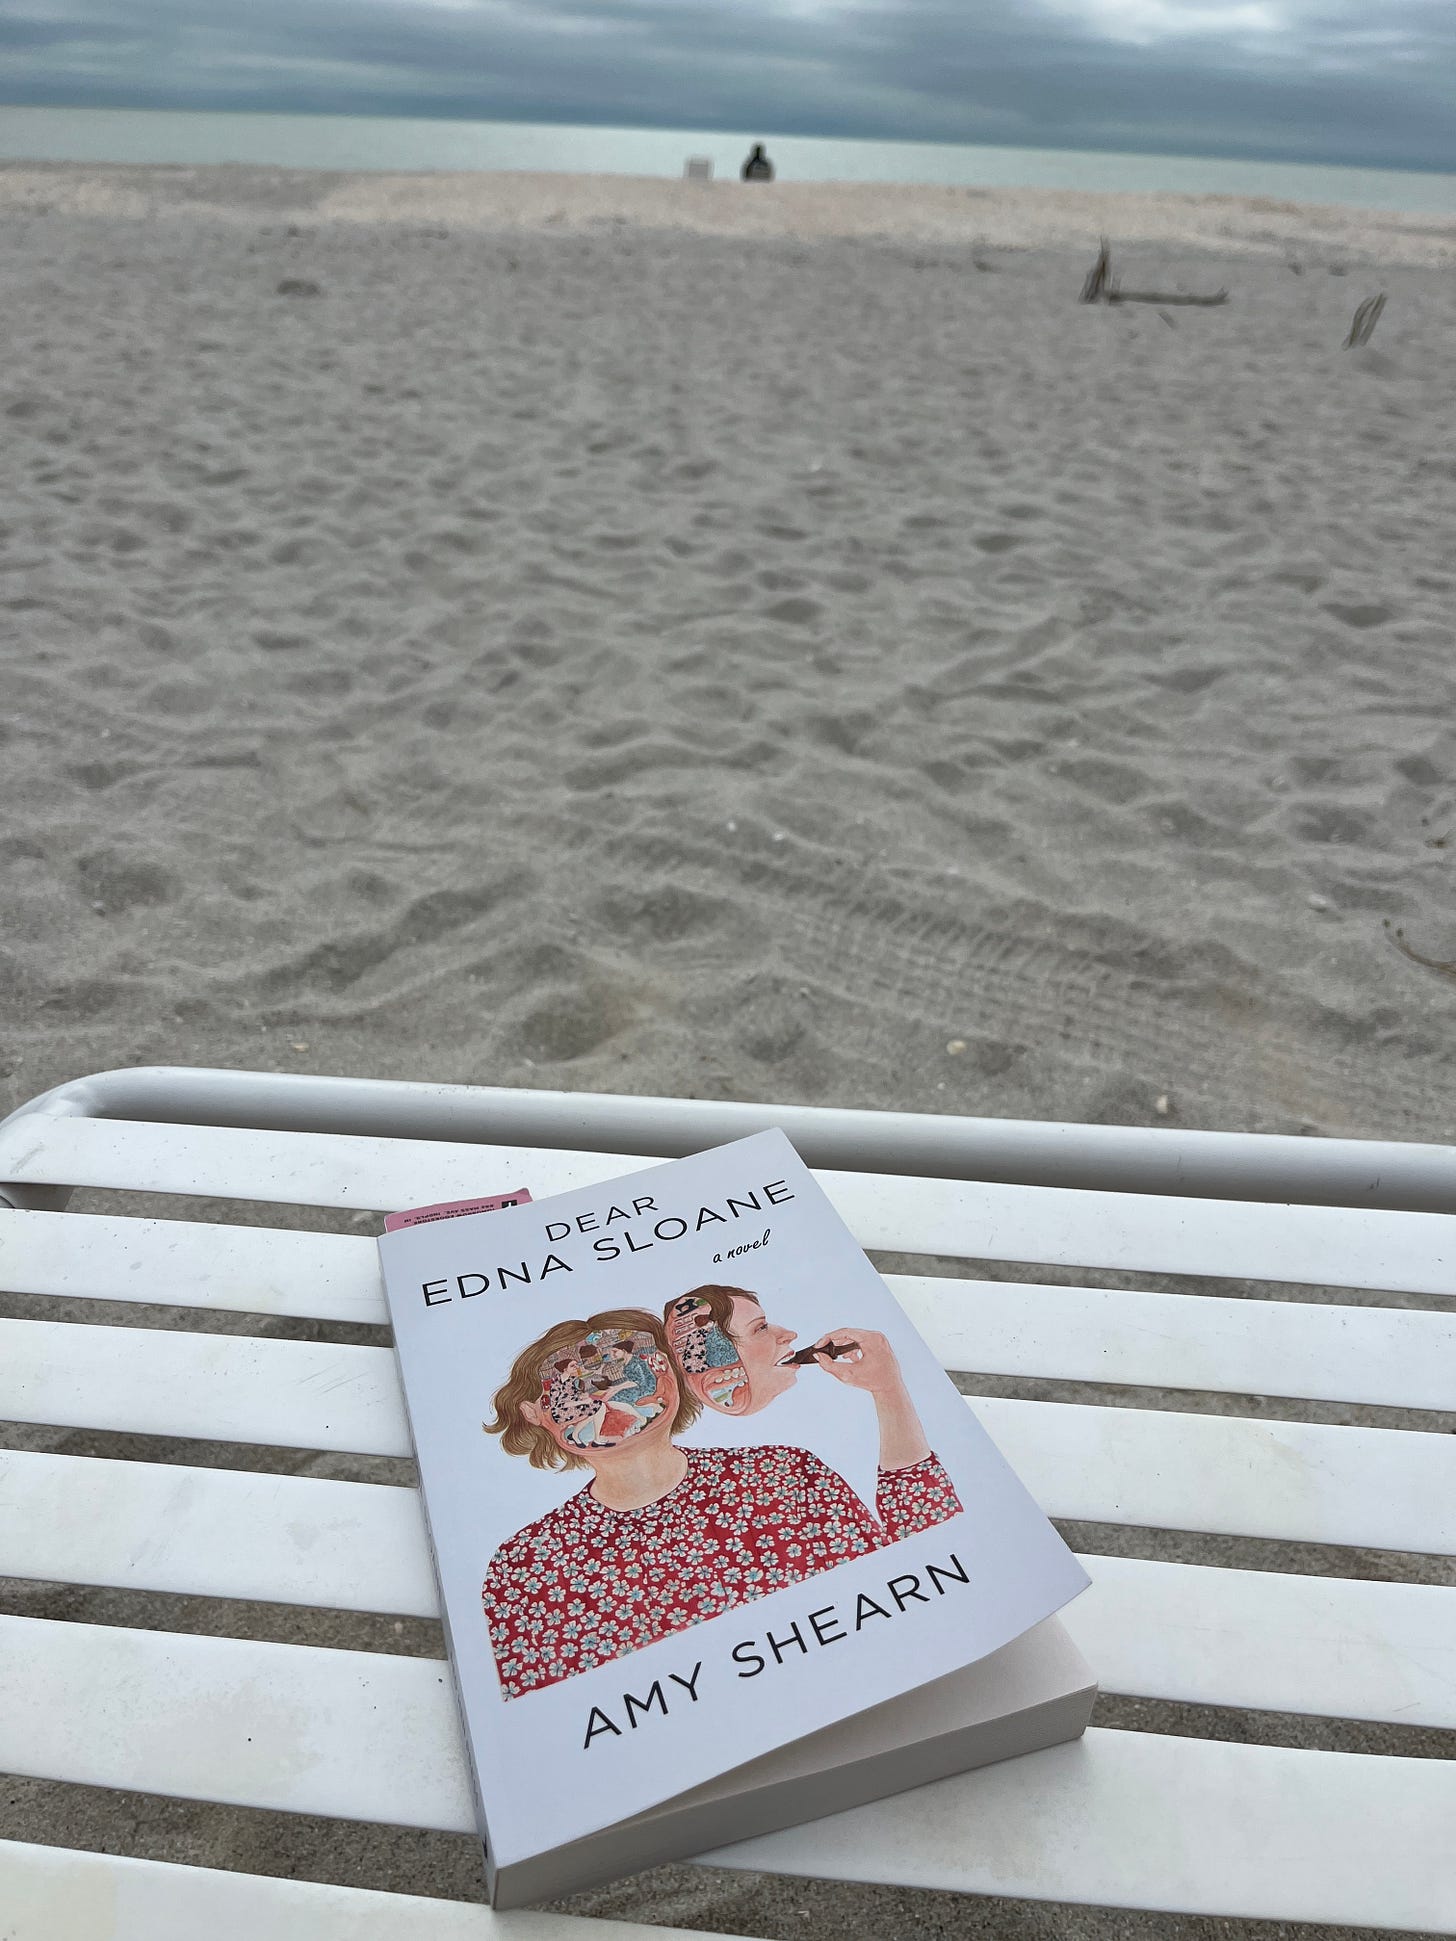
(584, 1584)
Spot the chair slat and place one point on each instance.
(1124, 1818)
(1391, 1357)
(1220, 1165)
(215, 1387)
(215, 1533)
(55, 1894)
(1325, 1246)
(1137, 1819)
(1286, 1643)
(1384, 1489)
(289, 1168)
(1337, 1647)
(355, 1735)
(191, 1263)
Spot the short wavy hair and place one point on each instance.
(529, 1439)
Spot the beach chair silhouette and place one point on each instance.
(1208, 1822)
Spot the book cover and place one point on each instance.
(696, 1487)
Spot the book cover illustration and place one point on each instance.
(667, 1534)
(695, 1486)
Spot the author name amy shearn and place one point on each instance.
(753, 1656)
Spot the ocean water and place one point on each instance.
(382, 142)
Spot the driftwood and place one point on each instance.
(1102, 287)
(1099, 275)
(1366, 318)
(1152, 296)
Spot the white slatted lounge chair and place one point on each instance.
(1128, 1818)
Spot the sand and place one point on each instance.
(773, 644)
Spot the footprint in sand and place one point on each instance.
(1360, 616)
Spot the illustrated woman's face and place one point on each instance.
(603, 1391)
(762, 1346)
(737, 1372)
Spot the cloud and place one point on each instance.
(1321, 80)
(1142, 23)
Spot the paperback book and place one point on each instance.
(720, 1546)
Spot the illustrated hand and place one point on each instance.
(870, 1366)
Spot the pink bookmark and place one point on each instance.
(418, 1216)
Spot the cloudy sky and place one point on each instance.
(1358, 81)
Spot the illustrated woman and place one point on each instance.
(736, 1361)
(661, 1537)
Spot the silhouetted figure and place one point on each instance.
(758, 168)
